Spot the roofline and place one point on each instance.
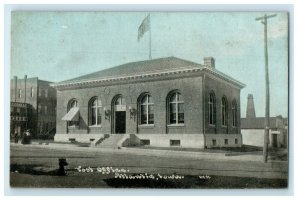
(153, 74)
(224, 76)
(128, 77)
(31, 78)
(124, 64)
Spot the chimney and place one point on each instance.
(250, 107)
(209, 62)
(16, 87)
(25, 82)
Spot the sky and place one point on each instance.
(57, 46)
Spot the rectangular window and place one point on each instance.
(174, 142)
(214, 142)
(32, 92)
(145, 142)
(226, 141)
(143, 114)
(214, 120)
(40, 92)
(99, 119)
(180, 113)
(234, 115)
(210, 111)
(94, 114)
(20, 93)
(224, 112)
(223, 117)
(72, 140)
(46, 93)
(172, 113)
(40, 109)
(21, 110)
(18, 113)
(151, 114)
(176, 109)
(41, 127)
(236, 141)
(46, 127)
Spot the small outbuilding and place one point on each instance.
(253, 128)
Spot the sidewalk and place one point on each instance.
(153, 161)
(150, 152)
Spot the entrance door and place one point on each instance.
(119, 116)
(274, 140)
(120, 126)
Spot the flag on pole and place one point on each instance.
(144, 27)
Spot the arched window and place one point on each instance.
(176, 108)
(95, 107)
(146, 110)
(212, 109)
(72, 104)
(234, 113)
(224, 111)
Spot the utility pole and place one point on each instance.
(150, 56)
(264, 21)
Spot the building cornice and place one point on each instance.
(145, 77)
(224, 77)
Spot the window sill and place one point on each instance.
(146, 126)
(95, 126)
(212, 125)
(176, 125)
(73, 127)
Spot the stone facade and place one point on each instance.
(193, 84)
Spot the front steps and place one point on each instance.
(113, 141)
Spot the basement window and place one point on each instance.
(145, 142)
(214, 142)
(226, 141)
(72, 140)
(236, 141)
(174, 142)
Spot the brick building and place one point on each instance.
(19, 115)
(160, 102)
(35, 101)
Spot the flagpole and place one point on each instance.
(150, 57)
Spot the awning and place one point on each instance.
(72, 115)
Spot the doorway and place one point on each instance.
(120, 127)
(274, 140)
(119, 115)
